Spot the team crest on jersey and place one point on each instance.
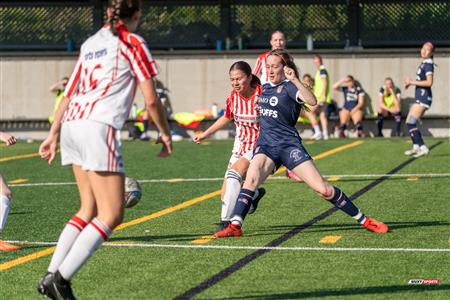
(279, 89)
(296, 155)
(273, 101)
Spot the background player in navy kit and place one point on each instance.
(353, 104)
(280, 144)
(423, 83)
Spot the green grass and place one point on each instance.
(417, 212)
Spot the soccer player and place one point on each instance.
(5, 196)
(423, 83)
(58, 89)
(277, 41)
(389, 104)
(240, 107)
(322, 93)
(280, 144)
(95, 106)
(353, 104)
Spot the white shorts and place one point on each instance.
(91, 145)
(235, 157)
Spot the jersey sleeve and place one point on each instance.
(361, 91)
(323, 73)
(228, 109)
(293, 92)
(382, 91)
(142, 63)
(74, 80)
(398, 92)
(257, 69)
(428, 68)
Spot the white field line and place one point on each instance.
(177, 180)
(224, 247)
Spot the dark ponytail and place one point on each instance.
(121, 10)
(245, 67)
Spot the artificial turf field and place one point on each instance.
(313, 252)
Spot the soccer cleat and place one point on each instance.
(342, 134)
(231, 231)
(222, 225)
(4, 246)
(317, 136)
(423, 150)
(412, 151)
(375, 226)
(55, 287)
(325, 136)
(254, 205)
(360, 133)
(291, 175)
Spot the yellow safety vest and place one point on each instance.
(318, 86)
(59, 96)
(389, 101)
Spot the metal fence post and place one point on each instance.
(225, 18)
(97, 15)
(354, 24)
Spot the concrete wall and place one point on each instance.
(196, 80)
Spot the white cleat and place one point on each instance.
(412, 151)
(325, 136)
(423, 150)
(317, 136)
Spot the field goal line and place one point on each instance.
(225, 247)
(176, 180)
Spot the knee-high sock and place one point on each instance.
(242, 206)
(4, 210)
(92, 236)
(231, 194)
(380, 124)
(65, 242)
(415, 134)
(359, 126)
(341, 201)
(398, 123)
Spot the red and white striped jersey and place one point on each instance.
(103, 84)
(260, 67)
(245, 113)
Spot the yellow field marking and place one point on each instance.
(330, 239)
(412, 178)
(328, 153)
(205, 143)
(309, 142)
(409, 142)
(36, 255)
(18, 180)
(175, 180)
(449, 240)
(18, 157)
(333, 178)
(203, 240)
(24, 259)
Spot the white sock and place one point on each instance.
(325, 133)
(231, 194)
(65, 242)
(92, 236)
(4, 210)
(316, 129)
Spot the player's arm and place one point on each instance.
(337, 85)
(381, 102)
(421, 83)
(360, 104)
(56, 86)
(397, 100)
(305, 93)
(324, 90)
(220, 123)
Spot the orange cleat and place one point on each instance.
(231, 231)
(375, 226)
(4, 246)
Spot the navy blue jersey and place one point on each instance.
(423, 94)
(351, 96)
(279, 109)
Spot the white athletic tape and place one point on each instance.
(224, 247)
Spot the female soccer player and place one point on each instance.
(5, 196)
(96, 104)
(280, 144)
(353, 104)
(423, 83)
(241, 107)
(277, 41)
(389, 103)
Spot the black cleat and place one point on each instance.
(55, 287)
(222, 225)
(254, 205)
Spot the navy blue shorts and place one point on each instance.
(288, 155)
(349, 105)
(424, 102)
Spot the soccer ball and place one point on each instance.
(133, 192)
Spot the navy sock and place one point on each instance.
(341, 201)
(343, 127)
(242, 206)
(415, 134)
(380, 124)
(359, 126)
(398, 123)
(145, 125)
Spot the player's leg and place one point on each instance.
(309, 173)
(324, 121)
(398, 122)
(357, 117)
(382, 113)
(315, 125)
(5, 199)
(344, 118)
(415, 113)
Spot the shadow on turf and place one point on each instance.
(373, 290)
(353, 226)
(149, 238)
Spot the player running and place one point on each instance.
(423, 83)
(5, 196)
(280, 144)
(389, 104)
(277, 41)
(95, 106)
(240, 107)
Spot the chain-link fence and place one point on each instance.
(199, 24)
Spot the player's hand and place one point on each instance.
(407, 83)
(289, 73)
(7, 138)
(47, 150)
(199, 137)
(166, 141)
